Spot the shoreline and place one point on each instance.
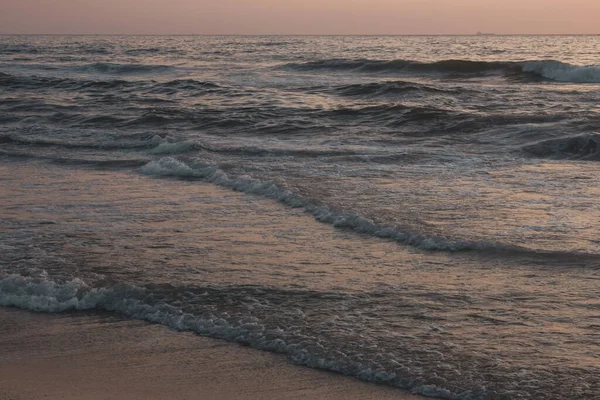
(99, 355)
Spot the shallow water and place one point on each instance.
(178, 180)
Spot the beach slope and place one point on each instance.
(94, 356)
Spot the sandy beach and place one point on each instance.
(105, 356)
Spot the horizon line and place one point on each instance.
(301, 34)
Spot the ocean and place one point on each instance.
(416, 211)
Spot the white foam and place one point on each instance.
(169, 166)
(44, 295)
(564, 72)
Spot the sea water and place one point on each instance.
(420, 211)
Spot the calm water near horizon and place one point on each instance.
(419, 211)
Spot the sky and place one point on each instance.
(299, 16)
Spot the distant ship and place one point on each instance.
(484, 34)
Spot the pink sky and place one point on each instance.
(299, 16)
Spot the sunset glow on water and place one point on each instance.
(415, 211)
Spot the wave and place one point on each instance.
(166, 147)
(176, 147)
(387, 88)
(270, 44)
(20, 49)
(123, 69)
(27, 82)
(38, 82)
(105, 143)
(544, 69)
(172, 167)
(161, 116)
(41, 294)
(192, 86)
(292, 120)
(188, 86)
(169, 166)
(94, 49)
(366, 65)
(400, 115)
(563, 72)
(145, 51)
(583, 147)
(106, 164)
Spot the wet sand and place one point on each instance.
(89, 356)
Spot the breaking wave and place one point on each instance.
(41, 294)
(169, 166)
(563, 72)
(546, 69)
(176, 147)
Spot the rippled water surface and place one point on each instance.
(417, 211)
